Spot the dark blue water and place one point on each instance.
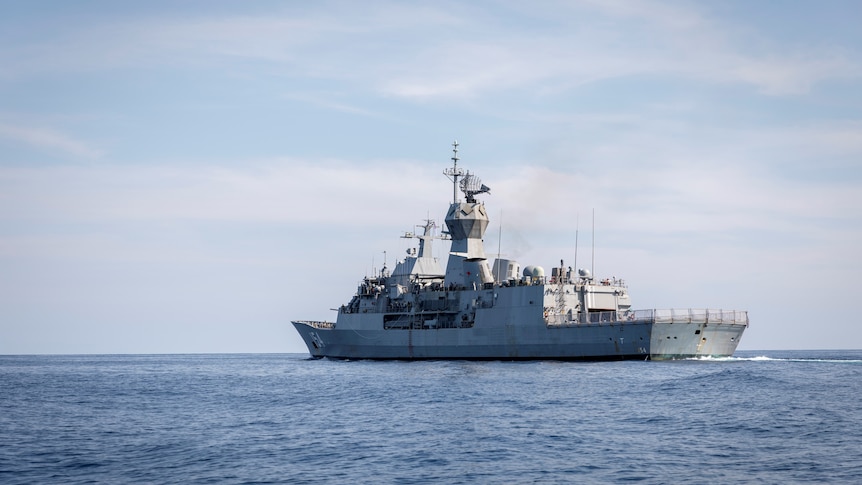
(763, 417)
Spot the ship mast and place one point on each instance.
(454, 172)
(466, 223)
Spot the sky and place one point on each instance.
(188, 177)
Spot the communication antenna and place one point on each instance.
(593, 263)
(499, 245)
(454, 172)
(577, 223)
(470, 184)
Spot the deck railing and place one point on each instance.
(674, 315)
(317, 323)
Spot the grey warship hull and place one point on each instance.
(591, 342)
(473, 311)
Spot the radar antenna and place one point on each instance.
(471, 185)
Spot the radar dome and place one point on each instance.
(534, 271)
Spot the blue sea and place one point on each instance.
(759, 417)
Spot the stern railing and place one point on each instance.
(706, 315)
(673, 315)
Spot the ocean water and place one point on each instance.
(760, 417)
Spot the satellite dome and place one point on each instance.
(534, 271)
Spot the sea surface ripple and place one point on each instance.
(759, 417)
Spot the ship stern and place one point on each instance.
(687, 341)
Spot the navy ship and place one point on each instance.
(477, 310)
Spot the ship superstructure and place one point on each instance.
(473, 309)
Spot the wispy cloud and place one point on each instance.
(451, 51)
(332, 101)
(49, 139)
(647, 197)
(282, 190)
